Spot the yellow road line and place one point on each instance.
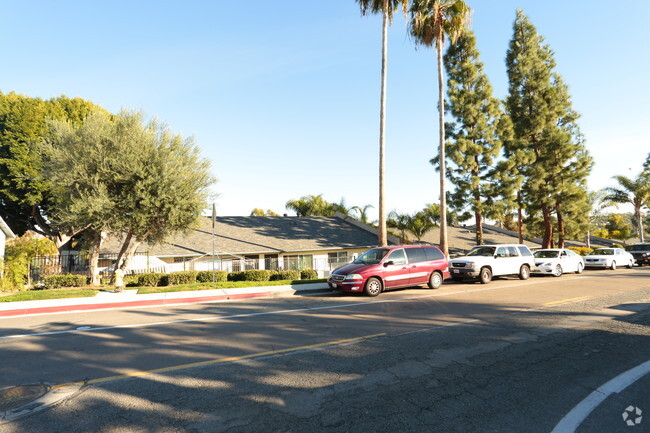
(220, 361)
(566, 300)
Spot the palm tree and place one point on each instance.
(363, 212)
(386, 8)
(631, 191)
(399, 222)
(419, 224)
(311, 205)
(431, 21)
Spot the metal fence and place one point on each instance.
(44, 266)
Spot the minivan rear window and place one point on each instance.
(416, 255)
(433, 253)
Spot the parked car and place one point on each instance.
(380, 269)
(487, 261)
(609, 258)
(640, 252)
(556, 261)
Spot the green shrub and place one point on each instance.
(65, 280)
(286, 275)
(176, 278)
(150, 279)
(308, 274)
(236, 276)
(257, 275)
(583, 251)
(131, 280)
(210, 276)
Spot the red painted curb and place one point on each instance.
(116, 305)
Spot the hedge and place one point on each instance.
(583, 251)
(286, 275)
(176, 278)
(308, 274)
(151, 279)
(210, 276)
(65, 280)
(252, 275)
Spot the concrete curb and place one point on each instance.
(130, 299)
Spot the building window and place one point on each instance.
(338, 257)
(298, 262)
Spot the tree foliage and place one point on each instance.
(473, 144)
(553, 159)
(24, 190)
(19, 254)
(118, 174)
(634, 191)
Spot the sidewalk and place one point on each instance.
(130, 299)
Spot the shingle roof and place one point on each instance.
(273, 235)
(262, 235)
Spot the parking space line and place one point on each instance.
(566, 300)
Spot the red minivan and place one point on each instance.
(384, 268)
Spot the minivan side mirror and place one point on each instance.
(389, 263)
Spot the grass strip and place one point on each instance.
(223, 285)
(37, 295)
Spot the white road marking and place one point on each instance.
(579, 413)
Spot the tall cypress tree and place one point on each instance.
(473, 144)
(544, 130)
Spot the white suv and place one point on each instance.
(485, 261)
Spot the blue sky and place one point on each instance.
(283, 97)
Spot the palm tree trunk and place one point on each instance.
(441, 125)
(382, 235)
(639, 224)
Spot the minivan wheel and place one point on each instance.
(485, 276)
(373, 287)
(524, 272)
(435, 280)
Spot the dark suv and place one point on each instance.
(641, 253)
(385, 268)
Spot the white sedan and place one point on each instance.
(609, 258)
(556, 261)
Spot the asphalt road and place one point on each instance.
(547, 354)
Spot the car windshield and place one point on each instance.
(482, 251)
(638, 247)
(372, 257)
(546, 254)
(602, 252)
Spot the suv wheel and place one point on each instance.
(524, 272)
(373, 287)
(435, 280)
(485, 276)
